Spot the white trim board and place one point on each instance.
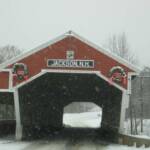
(5, 70)
(6, 90)
(70, 33)
(68, 71)
(18, 117)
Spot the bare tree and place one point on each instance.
(144, 74)
(118, 44)
(8, 52)
(1, 59)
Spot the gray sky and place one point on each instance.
(29, 23)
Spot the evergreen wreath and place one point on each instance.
(117, 74)
(20, 71)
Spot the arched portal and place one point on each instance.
(43, 99)
(82, 115)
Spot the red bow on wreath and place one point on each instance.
(20, 71)
(118, 75)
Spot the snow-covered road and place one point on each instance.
(82, 120)
(62, 145)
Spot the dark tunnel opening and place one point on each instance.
(42, 102)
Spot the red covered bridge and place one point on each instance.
(33, 84)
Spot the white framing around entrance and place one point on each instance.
(43, 71)
(124, 103)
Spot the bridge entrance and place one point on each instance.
(43, 99)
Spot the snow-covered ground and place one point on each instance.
(146, 128)
(12, 145)
(62, 145)
(88, 119)
(83, 119)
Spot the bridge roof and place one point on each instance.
(67, 34)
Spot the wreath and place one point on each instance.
(20, 71)
(117, 74)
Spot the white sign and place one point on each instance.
(70, 54)
(70, 63)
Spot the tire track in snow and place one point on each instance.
(47, 145)
(64, 145)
